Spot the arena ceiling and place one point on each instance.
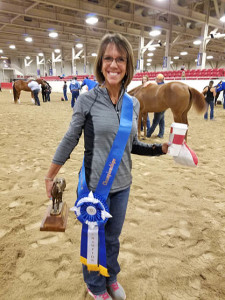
(185, 19)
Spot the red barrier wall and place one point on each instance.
(6, 85)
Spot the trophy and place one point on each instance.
(57, 213)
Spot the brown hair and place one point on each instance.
(145, 76)
(122, 45)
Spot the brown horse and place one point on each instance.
(20, 85)
(174, 95)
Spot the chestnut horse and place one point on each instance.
(177, 96)
(20, 85)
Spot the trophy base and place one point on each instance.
(55, 222)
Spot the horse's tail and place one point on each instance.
(198, 100)
(14, 93)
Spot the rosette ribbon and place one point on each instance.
(91, 207)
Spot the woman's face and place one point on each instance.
(114, 65)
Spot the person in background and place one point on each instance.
(98, 113)
(43, 92)
(65, 91)
(35, 88)
(183, 76)
(48, 91)
(75, 90)
(158, 117)
(183, 68)
(209, 93)
(144, 80)
(89, 83)
(221, 87)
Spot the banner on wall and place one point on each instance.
(38, 72)
(138, 64)
(199, 59)
(50, 72)
(165, 62)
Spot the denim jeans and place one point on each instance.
(157, 120)
(75, 95)
(223, 99)
(211, 104)
(148, 123)
(37, 102)
(65, 95)
(117, 203)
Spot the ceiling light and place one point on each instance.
(148, 64)
(79, 45)
(222, 19)
(155, 32)
(149, 59)
(12, 47)
(92, 20)
(1, 51)
(197, 42)
(176, 57)
(27, 57)
(196, 60)
(151, 48)
(171, 62)
(150, 54)
(57, 50)
(28, 39)
(40, 54)
(93, 54)
(209, 57)
(53, 34)
(183, 53)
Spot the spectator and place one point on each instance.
(210, 93)
(74, 89)
(65, 91)
(183, 67)
(158, 117)
(35, 88)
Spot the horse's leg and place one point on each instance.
(18, 96)
(32, 98)
(145, 124)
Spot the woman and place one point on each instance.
(98, 112)
(210, 93)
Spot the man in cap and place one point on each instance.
(158, 117)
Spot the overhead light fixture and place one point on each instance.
(3, 57)
(171, 62)
(27, 57)
(57, 50)
(12, 47)
(151, 48)
(28, 39)
(176, 57)
(1, 51)
(155, 32)
(222, 19)
(149, 59)
(197, 42)
(94, 54)
(79, 45)
(150, 54)
(53, 34)
(209, 57)
(148, 64)
(40, 54)
(196, 60)
(183, 53)
(92, 20)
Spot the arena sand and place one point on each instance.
(173, 240)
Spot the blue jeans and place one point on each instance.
(157, 120)
(211, 104)
(65, 95)
(117, 203)
(148, 123)
(223, 99)
(75, 95)
(37, 102)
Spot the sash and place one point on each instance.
(91, 208)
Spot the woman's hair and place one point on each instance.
(122, 45)
(145, 76)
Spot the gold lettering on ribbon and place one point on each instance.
(111, 166)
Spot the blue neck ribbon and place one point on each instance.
(91, 208)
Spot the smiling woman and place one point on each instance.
(108, 116)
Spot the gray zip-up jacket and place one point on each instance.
(95, 113)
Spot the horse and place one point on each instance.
(177, 96)
(20, 85)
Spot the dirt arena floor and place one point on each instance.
(173, 240)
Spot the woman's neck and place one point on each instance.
(114, 93)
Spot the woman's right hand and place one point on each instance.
(48, 186)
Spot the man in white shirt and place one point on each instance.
(35, 88)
